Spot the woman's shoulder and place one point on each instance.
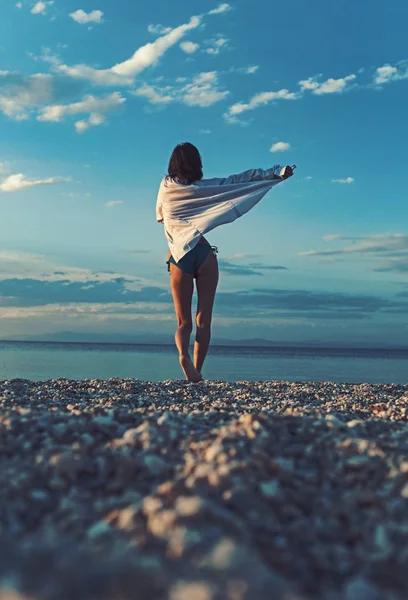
(173, 184)
(168, 182)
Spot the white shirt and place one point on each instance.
(188, 211)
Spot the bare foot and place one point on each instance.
(190, 371)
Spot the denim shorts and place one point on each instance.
(192, 261)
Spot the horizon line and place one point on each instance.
(236, 344)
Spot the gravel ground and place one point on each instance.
(127, 490)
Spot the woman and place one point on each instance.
(190, 206)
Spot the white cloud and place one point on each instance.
(124, 73)
(2, 167)
(241, 256)
(252, 69)
(97, 108)
(40, 8)
(392, 247)
(222, 8)
(330, 86)
(19, 265)
(155, 95)
(388, 73)
(346, 180)
(158, 29)
(189, 47)
(216, 45)
(81, 126)
(80, 16)
(19, 4)
(114, 203)
(201, 91)
(19, 95)
(205, 131)
(260, 99)
(384, 74)
(280, 147)
(15, 183)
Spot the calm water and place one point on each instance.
(41, 361)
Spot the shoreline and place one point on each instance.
(215, 491)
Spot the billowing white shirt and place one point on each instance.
(188, 211)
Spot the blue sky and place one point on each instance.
(93, 97)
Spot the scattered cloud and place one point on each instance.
(189, 47)
(261, 99)
(216, 45)
(205, 131)
(385, 74)
(390, 249)
(318, 305)
(158, 29)
(35, 290)
(19, 4)
(40, 8)
(81, 126)
(242, 255)
(15, 183)
(372, 244)
(330, 86)
(155, 95)
(80, 16)
(124, 73)
(22, 96)
(97, 108)
(238, 270)
(253, 69)
(2, 168)
(114, 203)
(233, 268)
(20, 265)
(222, 8)
(202, 91)
(346, 180)
(280, 147)
(30, 280)
(388, 73)
(18, 94)
(394, 265)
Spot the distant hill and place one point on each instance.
(168, 340)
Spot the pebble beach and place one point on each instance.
(127, 490)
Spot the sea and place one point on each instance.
(41, 361)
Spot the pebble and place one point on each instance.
(270, 489)
(220, 491)
(189, 506)
(191, 591)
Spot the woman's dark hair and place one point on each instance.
(185, 162)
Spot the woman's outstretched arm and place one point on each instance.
(276, 172)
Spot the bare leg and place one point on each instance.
(207, 281)
(182, 290)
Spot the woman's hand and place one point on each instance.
(288, 172)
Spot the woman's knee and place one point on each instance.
(203, 322)
(185, 326)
